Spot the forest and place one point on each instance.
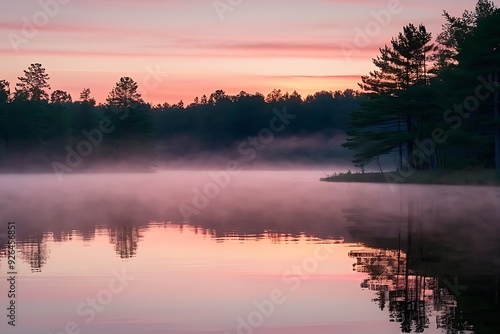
(430, 103)
(39, 131)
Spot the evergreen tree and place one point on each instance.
(4, 91)
(456, 29)
(479, 57)
(389, 117)
(33, 85)
(131, 141)
(85, 96)
(274, 96)
(4, 122)
(124, 94)
(60, 96)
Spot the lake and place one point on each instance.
(197, 252)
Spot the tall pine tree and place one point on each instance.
(391, 116)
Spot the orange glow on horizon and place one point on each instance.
(257, 47)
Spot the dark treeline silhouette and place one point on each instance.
(223, 122)
(55, 132)
(434, 105)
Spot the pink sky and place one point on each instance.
(179, 49)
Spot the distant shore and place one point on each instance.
(484, 177)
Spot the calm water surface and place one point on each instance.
(259, 252)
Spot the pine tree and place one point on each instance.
(125, 94)
(390, 115)
(479, 57)
(60, 96)
(132, 137)
(4, 91)
(456, 29)
(33, 85)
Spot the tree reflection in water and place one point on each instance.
(34, 250)
(415, 272)
(126, 239)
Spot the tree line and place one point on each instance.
(38, 129)
(433, 103)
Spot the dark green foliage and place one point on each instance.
(221, 126)
(37, 133)
(391, 115)
(419, 91)
(60, 96)
(4, 91)
(32, 86)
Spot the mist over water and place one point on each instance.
(252, 203)
(173, 219)
(289, 200)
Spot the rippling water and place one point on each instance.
(253, 252)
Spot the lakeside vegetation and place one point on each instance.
(37, 130)
(434, 105)
(481, 177)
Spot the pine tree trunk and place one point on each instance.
(400, 145)
(378, 163)
(409, 144)
(497, 126)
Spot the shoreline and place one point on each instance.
(479, 177)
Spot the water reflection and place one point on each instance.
(411, 299)
(430, 261)
(34, 251)
(427, 273)
(126, 240)
(414, 281)
(406, 282)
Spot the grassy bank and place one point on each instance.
(449, 177)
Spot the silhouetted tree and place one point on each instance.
(217, 96)
(124, 94)
(4, 122)
(33, 85)
(60, 96)
(479, 56)
(295, 97)
(85, 96)
(274, 96)
(456, 29)
(391, 115)
(131, 141)
(349, 93)
(4, 91)
(204, 100)
(178, 105)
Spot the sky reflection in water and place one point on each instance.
(268, 234)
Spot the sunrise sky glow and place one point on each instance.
(179, 49)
